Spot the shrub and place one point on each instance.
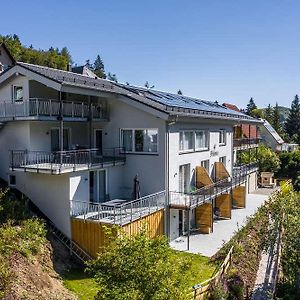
(139, 268)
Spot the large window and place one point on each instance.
(139, 140)
(201, 140)
(222, 137)
(17, 93)
(186, 140)
(193, 140)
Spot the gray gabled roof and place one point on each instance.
(181, 105)
(272, 132)
(171, 104)
(70, 78)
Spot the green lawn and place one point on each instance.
(80, 284)
(201, 268)
(85, 287)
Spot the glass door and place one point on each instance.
(98, 186)
(55, 139)
(98, 142)
(184, 178)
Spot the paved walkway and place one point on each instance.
(209, 244)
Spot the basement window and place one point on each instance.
(12, 180)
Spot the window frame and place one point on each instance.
(133, 141)
(222, 133)
(194, 149)
(208, 164)
(206, 140)
(181, 132)
(14, 89)
(9, 180)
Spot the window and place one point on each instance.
(140, 140)
(193, 140)
(205, 164)
(17, 93)
(201, 140)
(186, 140)
(222, 137)
(12, 180)
(223, 160)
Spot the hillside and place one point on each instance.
(283, 112)
(30, 258)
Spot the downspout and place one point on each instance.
(167, 175)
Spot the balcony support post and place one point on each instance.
(61, 132)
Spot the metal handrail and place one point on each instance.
(72, 159)
(41, 107)
(206, 193)
(246, 142)
(119, 214)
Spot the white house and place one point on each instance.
(74, 143)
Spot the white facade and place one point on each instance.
(168, 166)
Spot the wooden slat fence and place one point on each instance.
(203, 290)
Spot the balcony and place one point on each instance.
(65, 161)
(49, 109)
(244, 169)
(244, 143)
(118, 212)
(206, 194)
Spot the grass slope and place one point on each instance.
(85, 287)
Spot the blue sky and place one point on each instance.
(224, 50)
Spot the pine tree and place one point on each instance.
(268, 113)
(250, 107)
(292, 125)
(98, 67)
(276, 119)
(179, 92)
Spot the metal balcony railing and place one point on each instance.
(41, 108)
(244, 168)
(206, 193)
(246, 142)
(65, 161)
(120, 214)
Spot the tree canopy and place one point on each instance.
(250, 107)
(53, 58)
(292, 125)
(138, 268)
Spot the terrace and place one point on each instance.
(117, 211)
(65, 161)
(51, 110)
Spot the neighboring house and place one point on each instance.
(289, 147)
(74, 145)
(270, 137)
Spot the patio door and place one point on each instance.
(55, 139)
(98, 186)
(98, 141)
(184, 178)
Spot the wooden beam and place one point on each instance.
(239, 196)
(223, 202)
(204, 218)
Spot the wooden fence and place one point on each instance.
(204, 289)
